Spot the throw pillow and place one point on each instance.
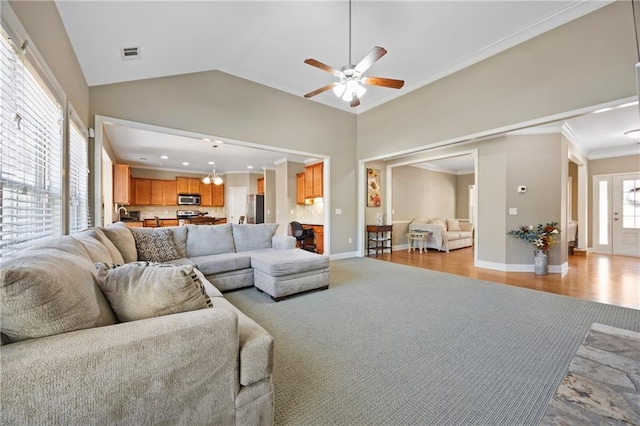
(453, 225)
(156, 247)
(178, 233)
(439, 222)
(46, 292)
(253, 236)
(142, 290)
(113, 250)
(121, 236)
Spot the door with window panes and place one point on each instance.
(616, 207)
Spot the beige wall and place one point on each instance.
(573, 174)
(462, 195)
(217, 104)
(533, 161)
(270, 196)
(570, 67)
(423, 193)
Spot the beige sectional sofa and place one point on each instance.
(445, 234)
(92, 335)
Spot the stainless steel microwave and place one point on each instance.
(188, 199)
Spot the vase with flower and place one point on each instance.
(541, 237)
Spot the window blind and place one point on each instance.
(30, 155)
(78, 180)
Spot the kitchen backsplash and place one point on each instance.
(149, 212)
(312, 214)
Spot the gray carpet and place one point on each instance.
(392, 344)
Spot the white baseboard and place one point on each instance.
(504, 267)
(346, 255)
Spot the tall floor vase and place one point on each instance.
(541, 263)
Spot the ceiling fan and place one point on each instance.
(350, 87)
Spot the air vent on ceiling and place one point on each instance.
(129, 53)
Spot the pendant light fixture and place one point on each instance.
(213, 178)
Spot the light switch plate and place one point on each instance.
(513, 211)
(522, 189)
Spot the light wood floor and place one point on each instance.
(601, 278)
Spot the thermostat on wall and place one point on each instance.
(522, 189)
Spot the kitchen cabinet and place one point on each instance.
(121, 184)
(260, 185)
(300, 188)
(142, 191)
(218, 195)
(313, 180)
(157, 192)
(318, 230)
(153, 223)
(206, 194)
(170, 193)
(188, 185)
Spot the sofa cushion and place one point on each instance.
(209, 239)
(217, 263)
(46, 292)
(465, 234)
(453, 236)
(121, 237)
(155, 247)
(142, 290)
(286, 262)
(113, 250)
(453, 225)
(97, 251)
(181, 261)
(253, 236)
(178, 233)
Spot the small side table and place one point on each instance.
(416, 240)
(379, 238)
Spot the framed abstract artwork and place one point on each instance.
(373, 188)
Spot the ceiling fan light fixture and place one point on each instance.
(213, 177)
(633, 134)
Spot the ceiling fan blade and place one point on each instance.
(323, 67)
(376, 53)
(320, 90)
(384, 82)
(355, 101)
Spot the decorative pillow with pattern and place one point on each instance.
(156, 247)
(142, 290)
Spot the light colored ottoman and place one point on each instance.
(281, 273)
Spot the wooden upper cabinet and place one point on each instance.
(218, 195)
(170, 193)
(157, 192)
(300, 188)
(142, 188)
(308, 182)
(318, 172)
(260, 186)
(313, 176)
(188, 185)
(121, 184)
(206, 194)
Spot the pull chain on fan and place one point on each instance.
(350, 87)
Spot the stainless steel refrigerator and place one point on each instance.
(255, 208)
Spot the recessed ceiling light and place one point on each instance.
(249, 167)
(164, 157)
(185, 163)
